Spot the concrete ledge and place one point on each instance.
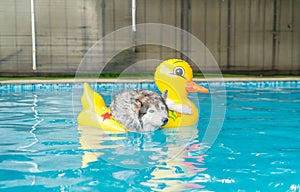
(34, 81)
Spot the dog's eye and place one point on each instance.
(151, 111)
(179, 71)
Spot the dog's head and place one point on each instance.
(152, 110)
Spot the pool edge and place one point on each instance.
(34, 81)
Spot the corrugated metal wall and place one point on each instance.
(249, 36)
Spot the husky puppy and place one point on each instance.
(140, 110)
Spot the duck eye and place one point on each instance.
(179, 71)
(151, 111)
(162, 108)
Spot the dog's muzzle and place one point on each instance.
(164, 121)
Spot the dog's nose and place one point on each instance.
(165, 121)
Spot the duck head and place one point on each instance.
(175, 75)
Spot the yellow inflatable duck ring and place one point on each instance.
(95, 113)
(174, 75)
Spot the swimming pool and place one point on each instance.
(258, 148)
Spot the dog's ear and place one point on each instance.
(164, 95)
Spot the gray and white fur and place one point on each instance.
(140, 110)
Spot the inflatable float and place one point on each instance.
(174, 75)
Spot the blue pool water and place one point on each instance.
(43, 149)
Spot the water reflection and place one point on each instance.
(37, 119)
(173, 154)
(175, 174)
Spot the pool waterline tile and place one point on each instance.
(123, 85)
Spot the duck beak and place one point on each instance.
(191, 86)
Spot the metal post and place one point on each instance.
(275, 35)
(133, 10)
(228, 35)
(33, 36)
(133, 19)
